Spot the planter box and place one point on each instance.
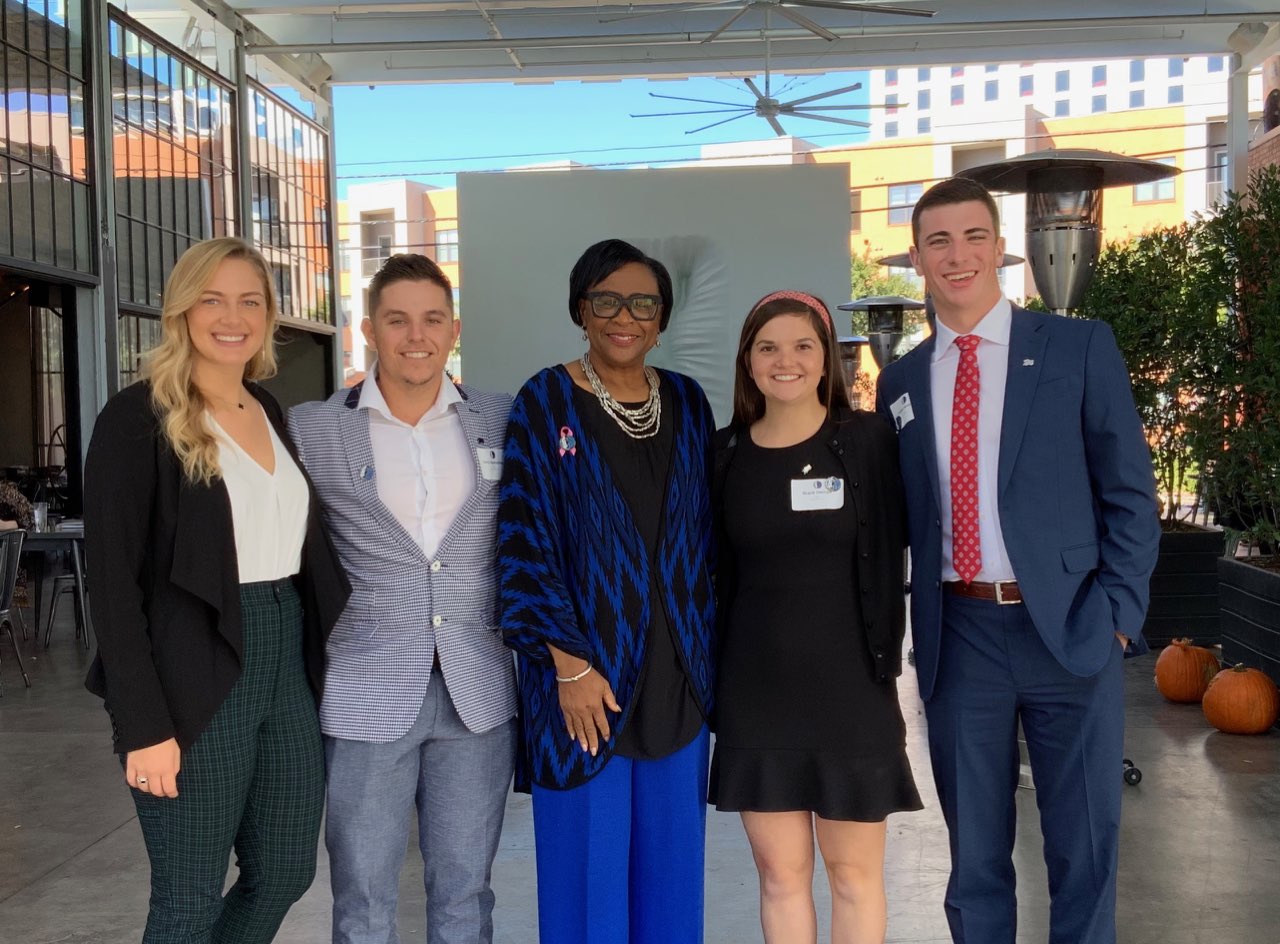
(1184, 588)
(1250, 599)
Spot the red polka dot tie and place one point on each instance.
(966, 546)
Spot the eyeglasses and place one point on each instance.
(608, 304)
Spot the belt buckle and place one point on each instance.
(999, 586)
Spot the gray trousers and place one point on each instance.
(458, 782)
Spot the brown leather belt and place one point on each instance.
(1004, 591)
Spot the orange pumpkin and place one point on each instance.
(1184, 671)
(1241, 700)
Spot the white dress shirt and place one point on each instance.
(993, 371)
(425, 472)
(268, 509)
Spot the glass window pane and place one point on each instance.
(37, 28)
(20, 199)
(64, 224)
(83, 225)
(6, 231)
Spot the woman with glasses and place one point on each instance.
(810, 517)
(605, 594)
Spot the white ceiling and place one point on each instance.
(386, 41)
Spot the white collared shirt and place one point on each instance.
(424, 472)
(268, 509)
(993, 371)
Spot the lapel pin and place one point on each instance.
(367, 473)
(1028, 362)
(805, 470)
(568, 443)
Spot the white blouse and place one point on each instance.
(268, 511)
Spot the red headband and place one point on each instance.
(804, 298)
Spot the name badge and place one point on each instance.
(817, 494)
(901, 411)
(490, 463)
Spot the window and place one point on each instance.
(902, 200)
(1062, 81)
(1061, 108)
(1137, 98)
(1216, 175)
(957, 72)
(1099, 103)
(1099, 76)
(855, 211)
(1157, 190)
(1216, 63)
(446, 245)
(891, 101)
(1027, 85)
(922, 75)
(923, 126)
(992, 69)
(1175, 68)
(890, 129)
(1137, 70)
(890, 76)
(923, 100)
(1175, 94)
(991, 91)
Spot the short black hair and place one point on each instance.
(953, 190)
(605, 258)
(407, 267)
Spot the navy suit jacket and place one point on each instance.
(1077, 495)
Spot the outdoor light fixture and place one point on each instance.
(884, 323)
(1064, 211)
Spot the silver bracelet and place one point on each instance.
(575, 678)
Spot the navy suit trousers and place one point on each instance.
(994, 671)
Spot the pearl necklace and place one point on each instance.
(641, 422)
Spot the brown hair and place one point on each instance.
(407, 267)
(954, 190)
(748, 401)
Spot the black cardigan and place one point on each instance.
(166, 595)
(867, 448)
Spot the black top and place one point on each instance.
(166, 598)
(664, 714)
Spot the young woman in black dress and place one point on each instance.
(810, 738)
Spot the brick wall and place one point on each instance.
(1265, 150)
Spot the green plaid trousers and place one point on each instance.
(252, 782)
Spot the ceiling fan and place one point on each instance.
(767, 106)
(784, 9)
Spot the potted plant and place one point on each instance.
(1240, 450)
(1151, 291)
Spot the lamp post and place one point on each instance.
(884, 323)
(1064, 211)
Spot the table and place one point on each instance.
(52, 539)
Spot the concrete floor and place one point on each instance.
(1200, 853)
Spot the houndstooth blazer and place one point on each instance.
(404, 607)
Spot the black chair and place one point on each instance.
(10, 549)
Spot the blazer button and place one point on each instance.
(938, 522)
(863, 522)
(435, 567)
(436, 621)
(855, 484)
(865, 555)
(879, 653)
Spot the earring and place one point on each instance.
(584, 334)
(658, 343)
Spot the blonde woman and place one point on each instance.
(215, 586)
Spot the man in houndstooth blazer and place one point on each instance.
(419, 696)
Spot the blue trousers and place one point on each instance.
(994, 671)
(458, 782)
(620, 858)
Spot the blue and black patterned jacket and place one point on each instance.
(573, 569)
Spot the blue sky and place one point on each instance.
(430, 132)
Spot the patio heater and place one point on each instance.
(884, 323)
(1064, 211)
(850, 347)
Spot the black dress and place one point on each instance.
(802, 723)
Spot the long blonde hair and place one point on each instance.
(167, 366)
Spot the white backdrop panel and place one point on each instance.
(728, 235)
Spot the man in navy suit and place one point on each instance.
(1034, 532)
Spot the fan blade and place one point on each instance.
(831, 107)
(755, 89)
(861, 7)
(776, 125)
(805, 23)
(704, 111)
(681, 98)
(716, 124)
(729, 22)
(834, 121)
(833, 92)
